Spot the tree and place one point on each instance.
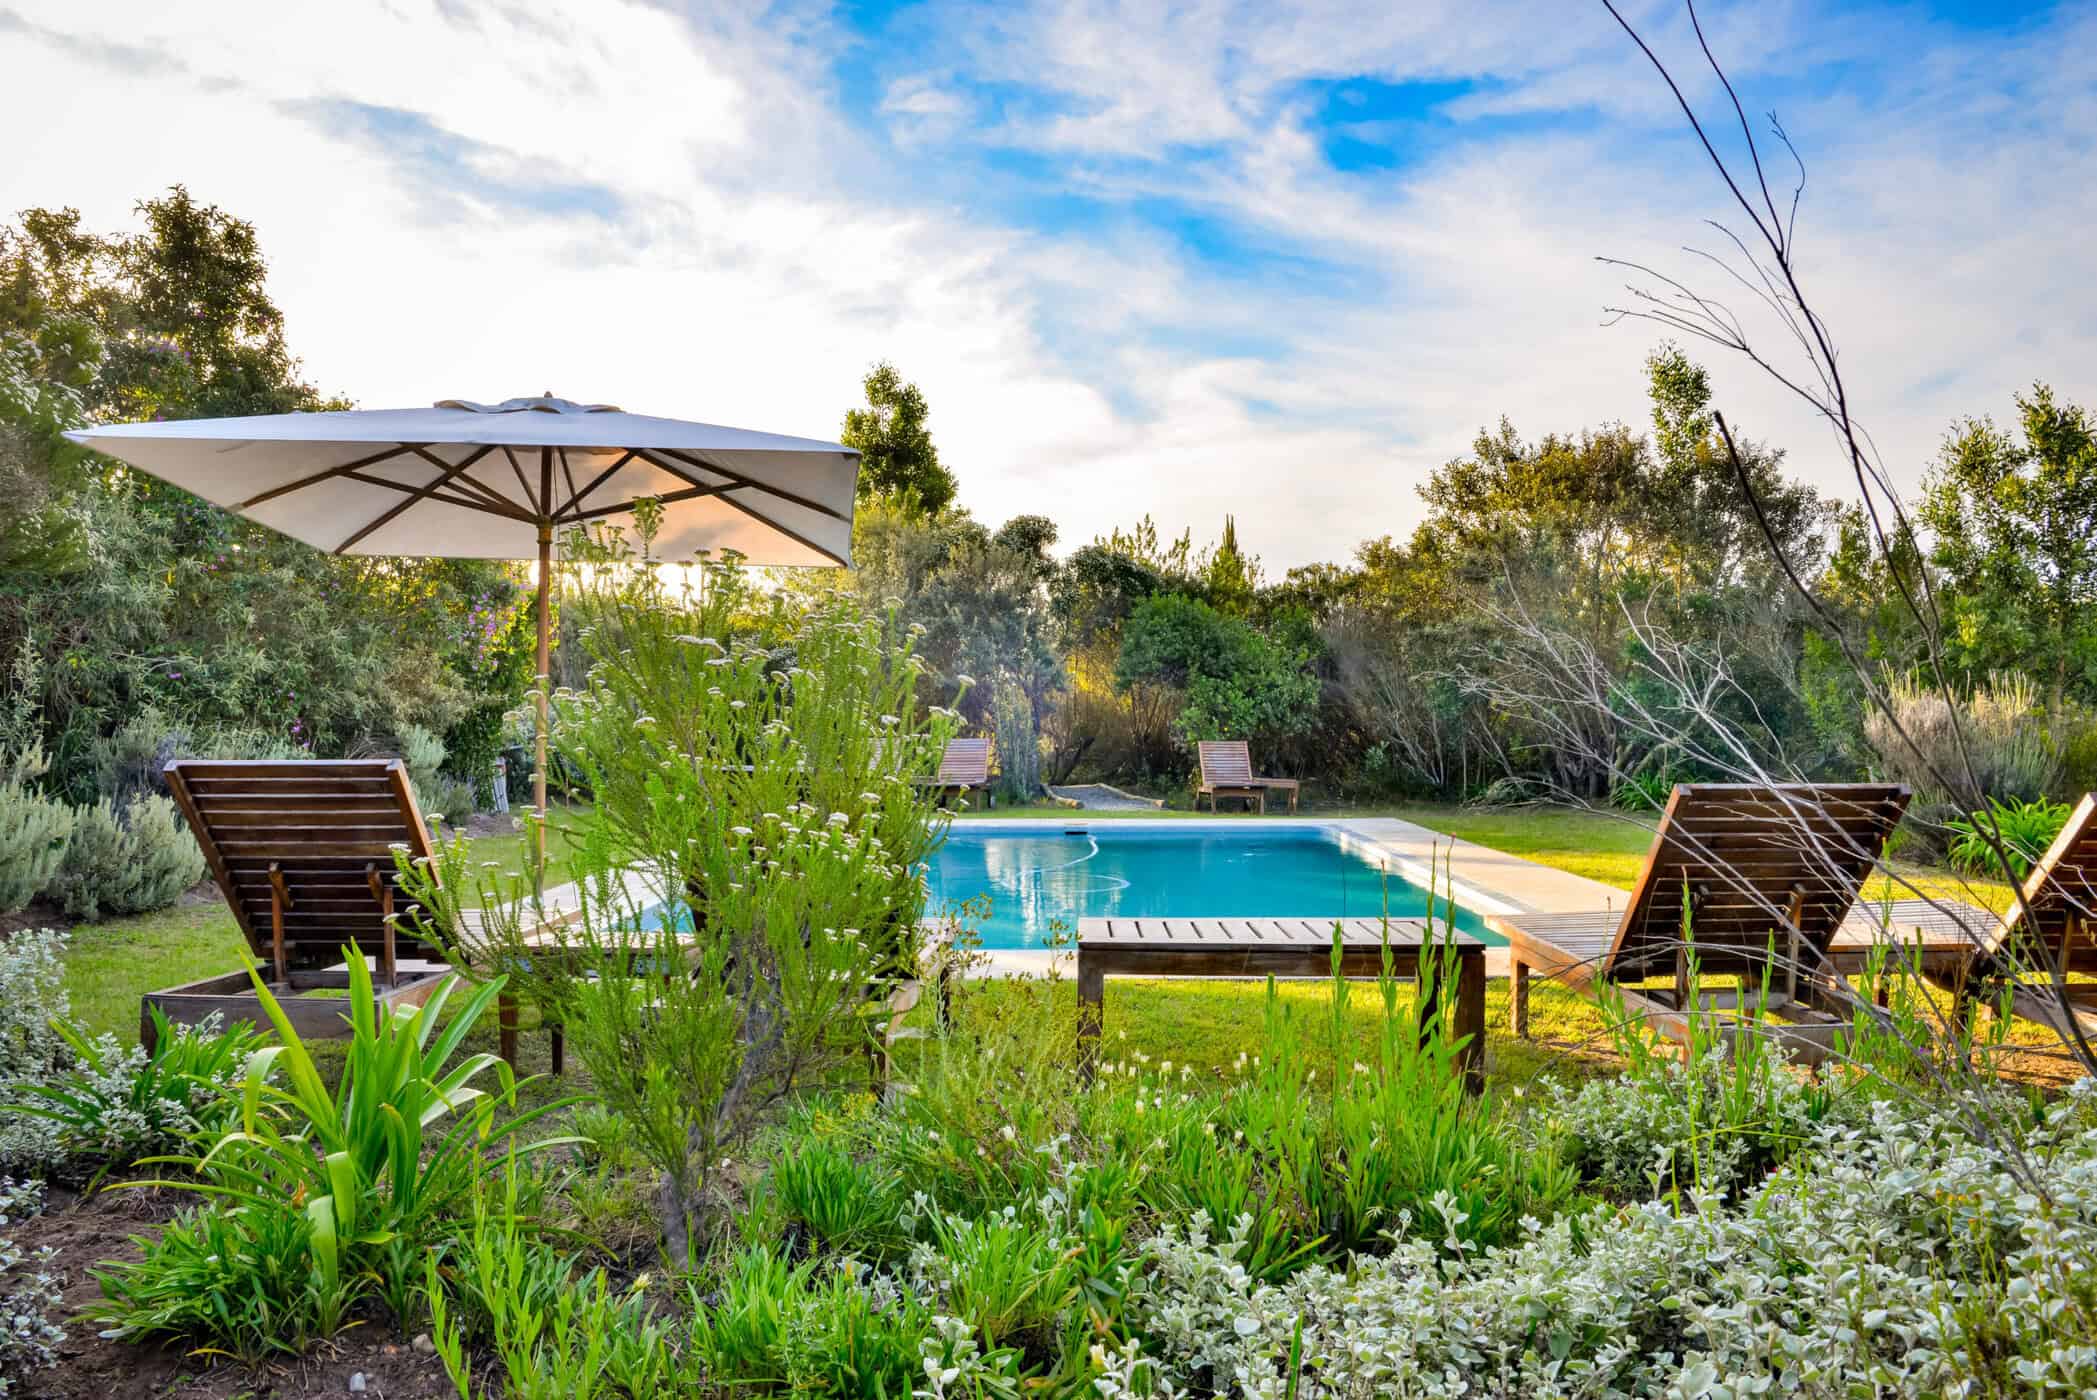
(2015, 526)
(897, 459)
(977, 598)
(161, 623)
(749, 758)
(1234, 682)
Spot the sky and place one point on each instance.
(1272, 260)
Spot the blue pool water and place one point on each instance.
(1036, 878)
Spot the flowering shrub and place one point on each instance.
(1704, 1126)
(1899, 1258)
(32, 997)
(28, 1337)
(753, 824)
(116, 1104)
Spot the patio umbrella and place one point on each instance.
(463, 480)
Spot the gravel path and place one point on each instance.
(1098, 797)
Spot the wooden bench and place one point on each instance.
(1275, 948)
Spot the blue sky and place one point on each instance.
(1278, 260)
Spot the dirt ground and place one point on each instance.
(86, 1230)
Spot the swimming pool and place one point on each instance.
(1035, 877)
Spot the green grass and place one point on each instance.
(1209, 1024)
(507, 848)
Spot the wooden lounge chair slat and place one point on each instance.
(1226, 771)
(244, 805)
(322, 855)
(2058, 909)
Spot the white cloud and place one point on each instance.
(673, 212)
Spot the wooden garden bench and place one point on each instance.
(1276, 948)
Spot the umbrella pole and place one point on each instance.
(545, 667)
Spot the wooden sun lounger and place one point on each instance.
(1278, 948)
(964, 767)
(1771, 875)
(303, 852)
(1226, 771)
(2055, 922)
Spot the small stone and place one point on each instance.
(357, 1383)
(423, 1344)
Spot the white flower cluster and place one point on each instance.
(28, 1338)
(1897, 1258)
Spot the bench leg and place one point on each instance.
(1092, 986)
(557, 1041)
(1470, 1016)
(1518, 998)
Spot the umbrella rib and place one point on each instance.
(575, 501)
(667, 498)
(566, 475)
(793, 535)
(522, 484)
(463, 502)
(346, 469)
(421, 493)
(469, 482)
(739, 479)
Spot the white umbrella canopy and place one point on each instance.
(468, 481)
(464, 480)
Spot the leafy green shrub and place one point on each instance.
(34, 831)
(1642, 792)
(559, 1333)
(366, 1179)
(1235, 683)
(2025, 829)
(1008, 1276)
(770, 1326)
(131, 864)
(758, 770)
(117, 1105)
(248, 1281)
(28, 1293)
(1907, 1259)
(843, 1205)
(1670, 1127)
(32, 1001)
(422, 753)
